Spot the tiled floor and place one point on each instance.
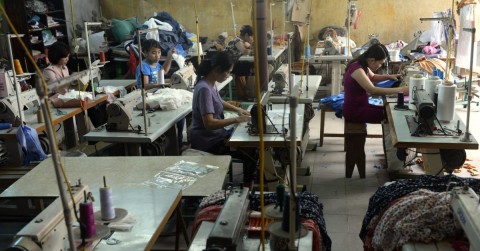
(346, 200)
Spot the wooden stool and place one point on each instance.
(326, 108)
(355, 137)
(323, 109)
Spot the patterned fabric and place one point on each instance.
(386, 194)
(310, 208)
(421, 216)
(232, 48)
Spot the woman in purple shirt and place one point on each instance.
(358, 85)
(208, 131)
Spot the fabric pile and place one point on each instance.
(416, 210)
(336, 102)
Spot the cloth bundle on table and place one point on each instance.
(411, 210)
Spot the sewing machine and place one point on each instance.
(229, 229)
(9, 112)
(184, 78)
(280, 78)
(423, 122)
(48, 231)
(466, 207)
(120, 111)
(83, 77)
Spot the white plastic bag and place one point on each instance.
(154, 23)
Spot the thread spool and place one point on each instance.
(400, 101)
(286, 214)
(161, 77)
(106, 202)
(18, 67)
(87, 219)
(4, 126)
(446, 102)
(417, 82)
(431, 84)
(280, 189)
(102, 57)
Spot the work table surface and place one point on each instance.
(119, 172)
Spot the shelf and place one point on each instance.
(46, 28)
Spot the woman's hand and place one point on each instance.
(395, 76)
(240, 111)
(405, 90)
(243, 118)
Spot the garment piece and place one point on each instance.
(386, 194)
(421, 216)
(469, 18)
(151, 72)
(355, 105)
(206, 100)
(232, 48)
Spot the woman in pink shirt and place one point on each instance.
(358, 85)
(58, 54)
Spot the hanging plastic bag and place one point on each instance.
(28, 139)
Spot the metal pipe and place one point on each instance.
(56, 165)
(233, 18)
(261, 39)
(293, 171)
(466, 137)
(144, 108)
(88, 53)
(17, 91)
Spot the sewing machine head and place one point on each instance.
(48, 231)
(280, 78)
(465, 205)
(228, 232)
(423, 123)
(9, 111)
(120, 111)
(184, 78)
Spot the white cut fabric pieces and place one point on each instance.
(469, 18)
(167, 99)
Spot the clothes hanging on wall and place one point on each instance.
(469, 18)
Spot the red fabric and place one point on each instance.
(207, 214)
(317, 237)
(132, 65)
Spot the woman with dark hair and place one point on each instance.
(358, 85)
(58, 54)
(208, 131)
(238, 47)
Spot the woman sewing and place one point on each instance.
(238, 47)
(58, 54)
(208, 131)
(358, 85)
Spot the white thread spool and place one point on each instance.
(431, 84)
(106, 203)
(446, 102)
(417, 82)
(161, 77)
